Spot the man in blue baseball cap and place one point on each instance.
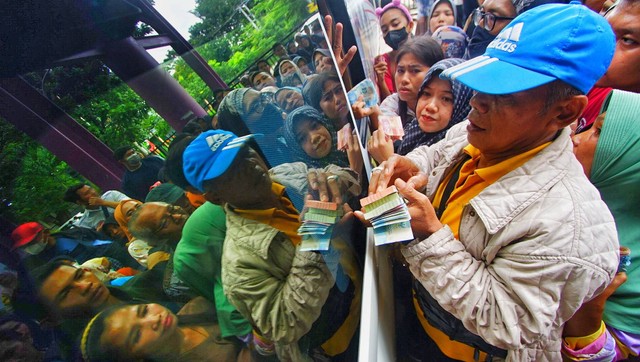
(279, 289)
(511, 238)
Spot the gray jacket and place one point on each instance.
(533, 247)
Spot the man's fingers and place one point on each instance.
(418, 181)
(336, 42)
(312, 177)
(328, 25)
(407, 191)
(349, 56)
(360, 216)
(323, 191)
(334, 189)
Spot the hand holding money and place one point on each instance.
(424, 221)
(395, 167)
(380, 146)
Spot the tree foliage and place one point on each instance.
(238, 44)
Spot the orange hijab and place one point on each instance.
(123, 212)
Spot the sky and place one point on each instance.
(177, 13)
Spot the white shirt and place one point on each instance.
(91, 218)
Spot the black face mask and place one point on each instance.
(480, 39)
(395, 38)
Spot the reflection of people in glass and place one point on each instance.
(260, 80)
(322, 61)
(303, 65)
(289, 98)
(324, 93)
(312, 139)
(151, 332)
(244, 111)
(289, 75)
(281, 290)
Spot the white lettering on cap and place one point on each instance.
(215, 142)
(508, 39)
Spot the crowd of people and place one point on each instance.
(517, 166)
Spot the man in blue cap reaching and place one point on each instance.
(511, 238)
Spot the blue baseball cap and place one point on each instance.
(568, 42)
(210, 155)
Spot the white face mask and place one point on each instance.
(35, 248)
(134, 160)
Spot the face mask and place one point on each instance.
(480, 39)
(395, 38)
(35, 248)
(134, 159)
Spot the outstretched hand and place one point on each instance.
(335, 41)
(424, 221)
(395, 167)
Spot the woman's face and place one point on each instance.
(333, 102)
(143, 331)
(253, 106)
(304, 42)
(442, 15)
(262, 80)
(129, 207)
(289, 100)
(287, 68)
(313, 137)
(292, 48)
(322, 63)
(584, 144)
(410, 73)
(435, 106)
(304, 68)
(394, 19)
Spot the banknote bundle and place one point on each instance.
(389, 215)
(317, 224)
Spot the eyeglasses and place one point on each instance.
(174, 213)
(489, 19)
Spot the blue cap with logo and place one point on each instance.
(210, 155)
(568, 42)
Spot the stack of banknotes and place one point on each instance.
(317, 224)
(389, 215)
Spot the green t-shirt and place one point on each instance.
(197, 261)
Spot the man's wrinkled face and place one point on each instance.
(244, 183)
(164, 219)
(74, 291)
(506, 125)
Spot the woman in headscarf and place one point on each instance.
(441, 104)
(442, 13)
(324, 93)
(288, 74)
(610, 155)
(312, 139)
(452, 40)
(138, 249)
(245, 111)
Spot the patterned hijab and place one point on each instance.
(230, 112)
(295, 79)
(334, 157)
(413, 135)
